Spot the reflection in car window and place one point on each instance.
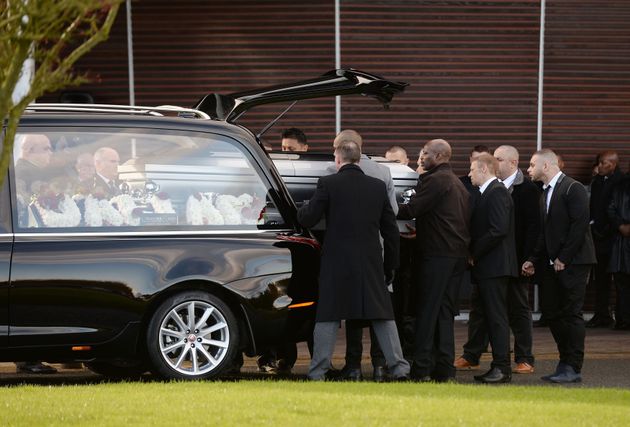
(82, 180)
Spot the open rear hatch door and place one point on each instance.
(333, 83)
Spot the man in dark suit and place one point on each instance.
(607, 178)
(354, 275)
(566, 246)
(442, 211)
(106, 161)
(493, 261)
(525, 195)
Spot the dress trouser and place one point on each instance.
(325, 336)
(520, 320)
(439, 280)
(354, 345)
(493, 303)
(563, 298)
(622, 282)
(603, 284)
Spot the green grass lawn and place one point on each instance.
(294, 403)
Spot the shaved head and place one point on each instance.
(607, 164)
(348, 135)
(441, 147)
(507, 152)
(507, 158)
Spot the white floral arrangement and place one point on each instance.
(126, 205)
(230, 207)
(57, 210)
(201, 211)
(161, 203)
(252, 212)
(99, 212)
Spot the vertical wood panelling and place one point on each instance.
(472, 67)
(587, 81)
(185, 49)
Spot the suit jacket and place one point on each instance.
(492, 244)
(526, 196)
(565, 232)
(101, 185)
(358, 212)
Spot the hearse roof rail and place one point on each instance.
(161, 110)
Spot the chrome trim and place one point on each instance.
(108, 108)
(5, 235)
(169, 233)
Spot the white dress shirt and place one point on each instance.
(485, 184)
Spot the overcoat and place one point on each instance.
(357, 212)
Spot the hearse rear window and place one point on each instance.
(79, 179)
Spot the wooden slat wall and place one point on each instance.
(587, 81)
(185, 49)
(472, 67)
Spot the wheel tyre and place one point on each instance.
(192, 335)
(118, 371)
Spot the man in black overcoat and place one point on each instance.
(603, 184)
(354, 274)
(493, 261)
(566, 247)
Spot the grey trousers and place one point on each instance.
(325, 336)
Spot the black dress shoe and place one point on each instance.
(542, 323)
(35, 368)
(380, 374)
(622, 326)
(599, 322)
(346, 374)
(421, 379)
(494, 376)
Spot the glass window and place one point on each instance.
(148, 180)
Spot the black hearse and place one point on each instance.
(162, 239)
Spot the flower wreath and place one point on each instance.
(201, 211)
(57, 210)
(98, 211)
(161, 203)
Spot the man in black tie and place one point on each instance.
(566, 247)
(106, 161)
(493, 261)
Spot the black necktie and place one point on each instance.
(545, 195)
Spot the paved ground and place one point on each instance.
(607, 362)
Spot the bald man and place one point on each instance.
(106, 161)
(607, 178)
(441, 208)
(31, 168)
(565, 248)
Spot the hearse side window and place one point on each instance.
(168, 181)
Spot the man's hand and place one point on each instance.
(528, 269)
(624, 229)
(471, 261)
(411, 234)
(389, 276)
(558, 265)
